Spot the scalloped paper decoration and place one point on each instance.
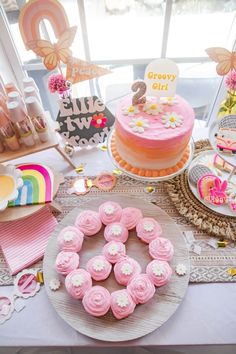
(10, 182)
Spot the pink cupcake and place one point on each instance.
(70, 239)
(110, 212)
(116, 232)
(148, 229)
(97, 301)
(130, 217)
(66, 262)
(88, 222)
(99, 268)
(122, 304)
(159, 272)
(141, 289)
(161, 248)
(126, 269)
(77, 283)
(113, 251)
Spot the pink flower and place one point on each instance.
(230, 80)
(57, 83)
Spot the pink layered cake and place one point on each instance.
(153, 136)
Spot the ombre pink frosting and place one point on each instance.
(116, 232)
(70, 239)
(66, 262)
(141, 289)
(113, 251)
(78, 282)
(148, 229)
(122, 304)
(110, 212)
(159, 272)
(99, 268)
(161, 248)
(126, 269)
(97, 301)
(130, 217)
(88, 222)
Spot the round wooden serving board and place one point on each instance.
(146, 318)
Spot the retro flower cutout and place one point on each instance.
(130, 111)
(157, 270)
(10, 182)
(116, 230)
(127, 269)
(122, 300)
(98, 265)
(99, 120)
(172, 120)
(153, 108)
(138, 125)
(170, 101)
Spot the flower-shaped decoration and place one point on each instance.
(127, 269)
(231, 189)
(69, 235)
(157, 269)
(98, 265)
(109, 209)
(57, 83)
(113, 250)
(153, 108)
(230, 81)
(10, 182)
(181, 269)
(122, 300)
(148, 226)
(116, 230)
(99, 120)
(138, 125)
(77, 280)
(54, 284)
(172, 120)
(170, 101)
(130, 111)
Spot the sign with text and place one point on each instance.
(161, 78)
(84, 121)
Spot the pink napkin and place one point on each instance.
(23, 241)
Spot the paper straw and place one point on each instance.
(3, 103)
(2, 88)
(4, 119)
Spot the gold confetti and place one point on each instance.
(89, 183)
(117, 172)
(222, 243)
(80, 168)
(39, 277)
(149, 189)
(231, 271)
(103, 148)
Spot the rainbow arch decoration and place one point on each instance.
(37, 185)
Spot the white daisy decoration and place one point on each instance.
(116, 230)
(98, 265)
(170, 101)
(181, 269)
(231, 189)
(122, 300)
(10, 182)
(109, 209)
(172, 120)
(138, 125)
(54, 284)
(148, 226)
(130, 111)
(152, 108)
(77, 280)
(126, 269)
(157, 270)
(69, 235)
(113, 250)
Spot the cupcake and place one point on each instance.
(130, 217)
(110, 212)
(66, 262)
(141, 289)
(116, 232)
(70, 239)
(88, 222)
(126, 269)
(122, 304)
(161, 248)
(113, 251)
(77, 283)
(99, 268)
(97, 301)
(148, 229)
(159, 272)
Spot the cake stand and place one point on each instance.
(189, 156)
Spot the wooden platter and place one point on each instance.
(146, 318)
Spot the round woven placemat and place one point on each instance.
(193, 210)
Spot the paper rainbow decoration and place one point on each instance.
(37, 185)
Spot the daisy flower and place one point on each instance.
(148, 226)
(157, 269)
(152, 108)
(98, 265)
(122, 300)
(113, 250)
(170, 101)
(126, 269)
(77, 280)
(181, 269)
(99, 120)
(109, 209)
(54, 284)
(130, 111)
(138, 125)
(116, 230)
(172, 120)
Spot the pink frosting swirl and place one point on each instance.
(130, 217)
(116, 232)
(122, 304)
(141, 289)
(97, 301)
(159, 272)
(161, 248)
(99, 268)
(148, 229)
(126, 269)
(113, 251)
(110, 212)
(66, 262)
(88, 222)
(70, 239)
(77, 283)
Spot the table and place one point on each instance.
(203, 323)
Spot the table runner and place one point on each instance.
(210, 266)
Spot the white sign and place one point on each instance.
(161, 78)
